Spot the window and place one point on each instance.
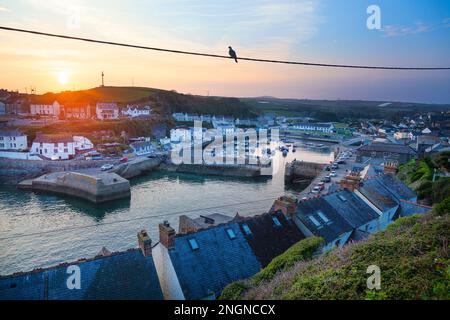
(342, 198)
(246, 229)
(315, 221)
(323, 216)
(66, 150)
(276, 221)
(193, 244)
(55, 150)
(231, 234)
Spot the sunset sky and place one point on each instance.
(414, 33)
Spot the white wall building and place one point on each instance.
(107, 111)
(13, 140)
(53, 109)
(82, 143)
(134, 112)
(403, 135)
(54, 146)
(319, 127)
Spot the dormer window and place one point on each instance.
(231, 234)
(246, 229)
(193, 244)
(276, 221)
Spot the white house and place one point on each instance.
(142, 148)
(54, 146)
(53, 109)
(13, 140)
(319, 127)
(134, 112)
(403, 135)
(107, 111)
(82, 143)
(76, 110)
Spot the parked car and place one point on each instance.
(124, 159)
(321, 185)
(341, 161)
(328, 168)
(333, 174)
(107, 167)
(334, 167)
(326, 179)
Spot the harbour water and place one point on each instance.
(41, 230)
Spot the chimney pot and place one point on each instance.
(166, 235)
(145, 243)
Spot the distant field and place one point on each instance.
(337, 110)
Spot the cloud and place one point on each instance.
(3, 9)
(398, 31)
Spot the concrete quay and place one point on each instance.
(97, 189)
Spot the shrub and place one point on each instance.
(443, 207)
(234, 291)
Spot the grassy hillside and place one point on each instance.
(165, 102)
(413, 255)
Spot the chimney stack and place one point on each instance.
(166, 235)
(390, 167)
(145, 243)
(350, 182)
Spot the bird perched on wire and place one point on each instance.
(232, 54)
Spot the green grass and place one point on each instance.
(413, 255)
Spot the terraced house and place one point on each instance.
(200, 263)
(13, 140)
(128, 275)
(337, 217)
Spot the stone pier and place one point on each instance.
(97, 188)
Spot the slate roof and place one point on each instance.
(397, 188)
(217, 262)
(120, 276)
(53, 138)
(376, 192)
(344, 211)
(107, 106)
(408, 208)
(387, 147)
(268, 240)
(11, 133)
(354, 210)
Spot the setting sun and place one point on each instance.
(63, 77)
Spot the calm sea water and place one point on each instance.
(41, 230)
